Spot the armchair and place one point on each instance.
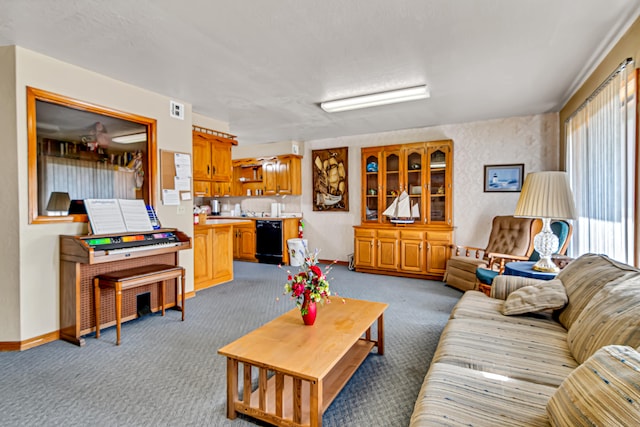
(509, 235)
(497, 261)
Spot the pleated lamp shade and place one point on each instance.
(546, 195)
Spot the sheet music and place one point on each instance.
(135, 215)
(105, 216)
(110, 216)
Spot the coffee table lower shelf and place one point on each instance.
(332, 384)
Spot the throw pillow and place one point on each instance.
(603, 391)
(611, 317)
(538, 297)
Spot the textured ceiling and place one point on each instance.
(263, 66)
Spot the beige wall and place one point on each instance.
(627, 47)
(30, 266)
(532, 140)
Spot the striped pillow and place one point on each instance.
(529, 299)
(611, 317)
(601, 392)
(584, 277)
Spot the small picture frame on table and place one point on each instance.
(503, 178)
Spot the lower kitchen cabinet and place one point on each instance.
(213, 255)
(244, 242)
(403, 251)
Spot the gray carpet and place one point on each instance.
(168, 373)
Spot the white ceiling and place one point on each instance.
(263, 66)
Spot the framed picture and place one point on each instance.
(503, 178)
(330, 180)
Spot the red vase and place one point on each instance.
(309, 307)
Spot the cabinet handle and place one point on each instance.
(214, 169)
(208, 169)
(420, 246)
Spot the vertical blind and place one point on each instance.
(601, 164)
(82, 179)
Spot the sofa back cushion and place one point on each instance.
(585, 277)
(611, 317)
(603, 391)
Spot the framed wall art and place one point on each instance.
(330, 180)
(503, 178)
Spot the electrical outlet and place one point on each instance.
(181, 210)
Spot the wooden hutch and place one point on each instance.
(419, 249)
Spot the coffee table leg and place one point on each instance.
(232, 386)
(315, 404)
(381, 334)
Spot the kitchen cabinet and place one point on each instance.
(416, 249)
(213, 255)
(279, 175)
(244, 242)
(211, 162)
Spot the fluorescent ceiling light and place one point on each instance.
(130, 139)
(375, 99)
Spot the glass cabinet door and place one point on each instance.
(372, 186)
(392, 180)
(439, 191)
(414, 182)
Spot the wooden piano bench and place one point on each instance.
(134, 277)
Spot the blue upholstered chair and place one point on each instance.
(560, 228)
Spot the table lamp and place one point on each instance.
(58, 204)
(546, 195)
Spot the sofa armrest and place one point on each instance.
(503, 285)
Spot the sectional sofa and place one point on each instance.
(535, 353)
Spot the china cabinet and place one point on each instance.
(212, 169)
(416, 241)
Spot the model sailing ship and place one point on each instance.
(401, 211)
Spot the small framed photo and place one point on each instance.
(503, 178)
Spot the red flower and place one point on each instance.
(316, 270)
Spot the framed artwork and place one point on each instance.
(503, 178)
(330, 180)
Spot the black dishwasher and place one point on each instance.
(269, 241)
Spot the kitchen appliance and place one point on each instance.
(269, 241)
(215, 208)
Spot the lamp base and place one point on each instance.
(545, 265)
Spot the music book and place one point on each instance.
(108, 216)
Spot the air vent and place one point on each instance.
(176, 110)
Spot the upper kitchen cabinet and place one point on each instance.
(278, 175)
(211, 162)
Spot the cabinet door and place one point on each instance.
(388, 250)
(201, 158)
(392, 181)
(438, 251)
(440, 189)
(202, 257)
(283, 176)
(221, 169)
(202, 189)
(365, 249)
(412, 251)
(247, 248)
(414, 180)
(269, 176)
(222, 244)
(371, 186)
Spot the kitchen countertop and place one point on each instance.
(224, 221)
(256, 217)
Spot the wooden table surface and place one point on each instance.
(287, 345)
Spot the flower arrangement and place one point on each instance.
(310, 280)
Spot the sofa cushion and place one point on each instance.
(476, 305)
(539, 297)
(611, 317)
(503, 285)
(603, 391)
(538, 354)
(453, 395)
(584, 277)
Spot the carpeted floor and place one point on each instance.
(168, 373)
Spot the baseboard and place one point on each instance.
(30, 343)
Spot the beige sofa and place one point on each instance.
(579, 366)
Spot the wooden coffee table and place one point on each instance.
(301, 369)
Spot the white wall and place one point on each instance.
(532, 140)
(36, 245)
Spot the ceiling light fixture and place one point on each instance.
(375, 99)
(130, 139)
